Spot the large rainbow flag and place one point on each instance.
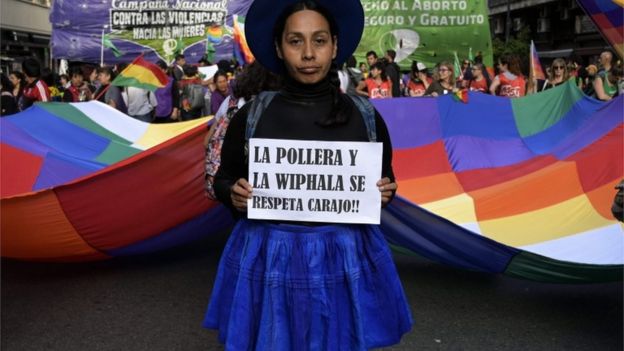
(515, 186)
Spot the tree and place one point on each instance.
(518, 45)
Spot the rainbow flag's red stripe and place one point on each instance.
(142, 74)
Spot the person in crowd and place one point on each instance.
(35, 90)
(192, 94)
(371, 59)
(608, 87)
(222, 90)
(291, 285)
(364, 70)
(393, 72)
(79, 90)
(558, 74)
(605, 61)
(418, 80)
(465, 73)
(178, 67)
(8, 104)
(509, 82)
(140, 103)
(64, 82)
(377, 85)
(588, 74)
(252, 80)
(443, 80)
(19, 82)
(50, 79)
(352, 76)
(168, 98)
(480, 80)
(107, 93)
(90, 72)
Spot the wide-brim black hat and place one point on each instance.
(263, 14)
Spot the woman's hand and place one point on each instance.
(386, 188)
(239, 193)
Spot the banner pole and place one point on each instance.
(102, 50)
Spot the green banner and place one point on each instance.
(427, 31)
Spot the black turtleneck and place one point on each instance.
(293, 114)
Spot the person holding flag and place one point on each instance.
(141, 78)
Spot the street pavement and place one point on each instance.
(156, 302)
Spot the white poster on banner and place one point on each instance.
(315, 181)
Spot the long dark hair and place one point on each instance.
(254, 79)
(341, 108)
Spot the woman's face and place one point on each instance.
(307, 47)
(14, 80)
(558, 68)
(222, 84)
(445, 73)
(103, 77)
(375, 72)
(477, 72)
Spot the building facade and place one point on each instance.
(25, 31)
(559, 28)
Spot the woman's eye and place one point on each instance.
(320, 41)
(294, 41)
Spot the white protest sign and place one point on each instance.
(208, 71)
(315, 181)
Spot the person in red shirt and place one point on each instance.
(510, 81)
(36, 90)
(418, 80)
(480, 81)
(377, 86)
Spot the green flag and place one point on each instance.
(470, 57)
(456, 65)
(108, 43)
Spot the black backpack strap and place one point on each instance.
(368, 114)
(258, 105)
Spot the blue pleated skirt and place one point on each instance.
(283, 287)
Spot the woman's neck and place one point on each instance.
(294, 89)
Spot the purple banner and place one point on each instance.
(158, 28)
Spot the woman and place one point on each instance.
(19, 82)
(606, 85)
(509, 82)
(418, 81)
(107, 93)
(557, 75)
(293, 285)
(8, 105)
(480, 80)
(222, 90)
(444, 80)
(377, 85)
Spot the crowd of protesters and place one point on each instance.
(188, 95)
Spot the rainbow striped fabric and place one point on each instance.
(535, 67)
(515, 186)
(524, 186)
(609, 18)
(84, 181)
(242, 53)
(141, 74)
